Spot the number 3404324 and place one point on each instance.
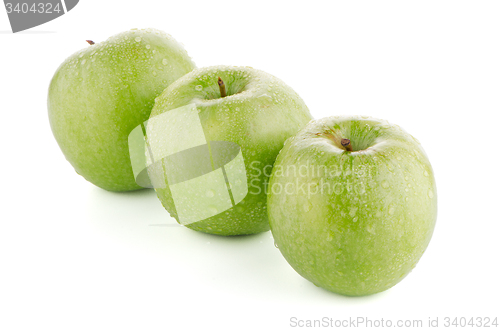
(39, 8)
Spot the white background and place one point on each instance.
(75, 257)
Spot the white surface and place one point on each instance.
(75, 257)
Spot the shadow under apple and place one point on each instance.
(243, 265)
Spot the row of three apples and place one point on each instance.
(359, 234)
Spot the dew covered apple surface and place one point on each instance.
(353, 222)
(258, 114)
(100, 93)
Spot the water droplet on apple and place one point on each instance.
(329, 237)
(212, 210)
(164, 61)
(430, 194)
(307, 206)
(198, 88)
(210, 193)
(355, 219)
(148, 46)
(154, 73)
(276, 244)
(391, 210)
(138, 39)
(399, 158)
(426, 174)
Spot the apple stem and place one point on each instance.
(90, 42)
(222, 88)
(346, 143)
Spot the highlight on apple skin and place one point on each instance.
(100, 93)
(352, 204)
(248, 107)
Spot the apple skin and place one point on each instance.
(362, 221)
(100, 93)
(259, 113)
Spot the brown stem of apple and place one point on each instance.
(346, 143)
(90, 42)
(222, 88)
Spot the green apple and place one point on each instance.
(352, 204)
(230, 106)
(99, 94)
